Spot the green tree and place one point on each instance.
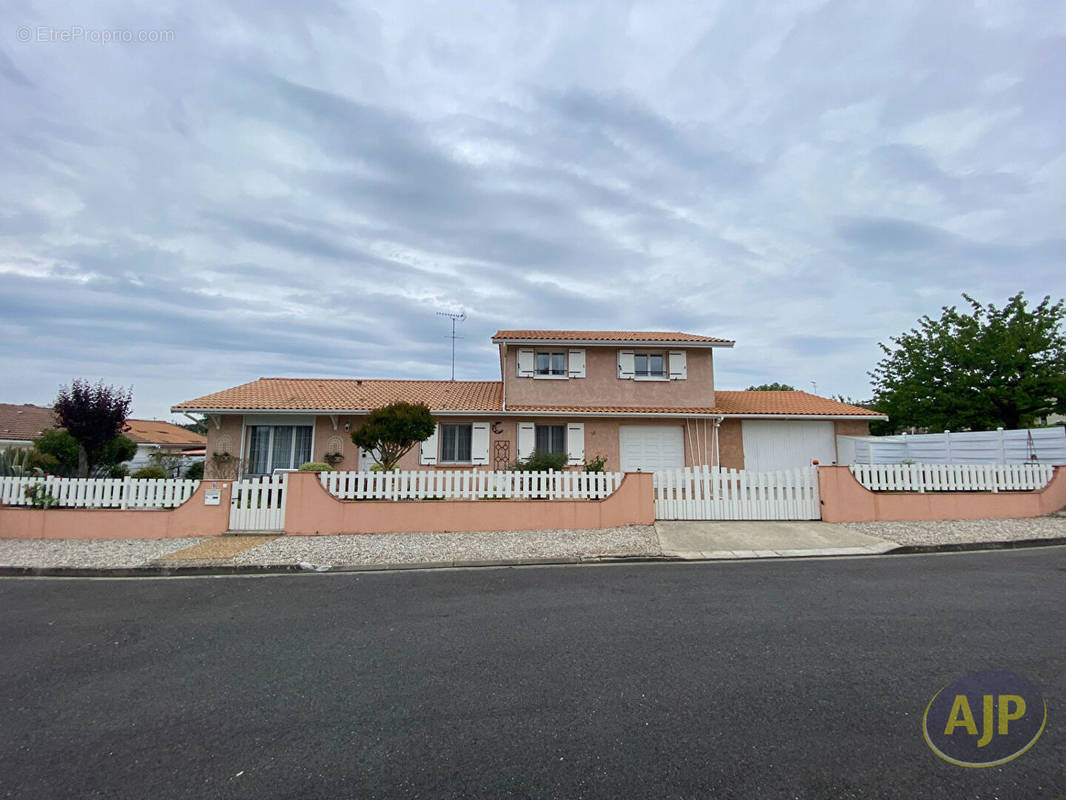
(772, 387)
(978, 370)
(388, 433)
(55, 452)
(94, 414)
(199, 426)
(112, 454)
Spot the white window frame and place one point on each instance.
(550, 376)
(440, 435)
(566, 435)
(664, 376)
(274, 423)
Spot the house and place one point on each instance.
(157, 436)
(21, 424)
(642, 400)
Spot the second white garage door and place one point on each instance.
(651, 447)
(771, 444)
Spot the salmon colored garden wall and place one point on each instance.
(844, 499)
(310, 509)
(192, 518)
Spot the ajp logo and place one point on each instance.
(984, 719)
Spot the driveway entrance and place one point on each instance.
(697, 540)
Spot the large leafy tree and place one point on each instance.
(772, 387)
(391, 431)
(975, 370)
(94, 414)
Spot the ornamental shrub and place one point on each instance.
(540, 461)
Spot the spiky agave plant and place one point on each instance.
(14, 463)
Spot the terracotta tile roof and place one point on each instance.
(155, 431)
(786, 403)
(25, 422)
(615, 409)
(732, 403)
(609, 336)
(345, 394)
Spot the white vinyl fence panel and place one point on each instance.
(121, 493)
(258, 504)
(715, 493)
(1036, 445)
(470, 485)
(953, 477)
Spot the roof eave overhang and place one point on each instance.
(538, 413)
(616, 343)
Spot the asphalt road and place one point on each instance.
(753, 680)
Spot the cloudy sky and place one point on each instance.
(268, 189)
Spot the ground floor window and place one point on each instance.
(272, 447)
(550, 439)
(455, 441)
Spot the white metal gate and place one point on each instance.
(258, 504)
(716, 493)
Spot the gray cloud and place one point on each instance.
(278, 195)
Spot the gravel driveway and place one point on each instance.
(87, 553)
(408, 548)
(965, 531)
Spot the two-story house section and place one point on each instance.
(643, 400)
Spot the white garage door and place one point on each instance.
(651, 447)
(771, 444)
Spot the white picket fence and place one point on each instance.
(121, 493)
(470, 485)
(715, 493)
(953, 477)
(258, 504)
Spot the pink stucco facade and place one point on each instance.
(601, 385)
(844, 499)
(601, 439)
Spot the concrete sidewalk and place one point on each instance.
(763, 539)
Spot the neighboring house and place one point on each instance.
(642, 400)
(156, 436)
(20, 425)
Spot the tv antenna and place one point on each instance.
(454, 318)
(815, 385)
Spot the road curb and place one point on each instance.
(191, 570)
(964, 547)
(167, 571)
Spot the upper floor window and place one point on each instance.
(649, 365)
(551, 363)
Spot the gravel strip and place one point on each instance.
(408, 548)
(87, 552)
(964, 531)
